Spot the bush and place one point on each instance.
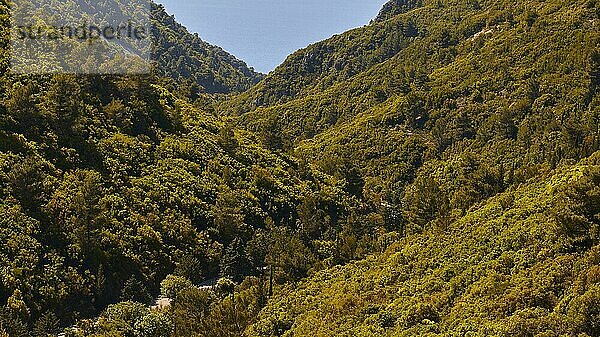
(173, 285)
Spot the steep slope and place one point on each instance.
(110, 183)
(186, 58)
(523, 263)
(492, 91)
(400, 55)
(195, 65)
(486, 96)
(324, 64)
(455, 128)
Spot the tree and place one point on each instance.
(48, 325)
(227, 139)
(354, 179)
(191, 268)
(595, 70)
(189, 309)
(272, 134)
(155, 324)
(234, 262)
(173, 285)
(30, 181)
(135, 291)
(228, 217)
(75, 208)
(16, 305)
(424, 201)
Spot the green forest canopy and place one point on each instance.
(434, 172)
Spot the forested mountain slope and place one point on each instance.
(395, 7)
(187, 59)
(194, 65)
(474, 102)
(333, 81)
(523, 263)
(452, 143)
(110, 183)
(480, 94)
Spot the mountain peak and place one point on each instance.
(185, 57)
(395, 7)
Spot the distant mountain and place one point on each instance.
(325, 64)
(185, 57)
(175, 52)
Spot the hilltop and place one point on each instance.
(186, 58)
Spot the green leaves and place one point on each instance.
(173, 285)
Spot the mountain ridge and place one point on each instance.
(197, 62)
(395, 7)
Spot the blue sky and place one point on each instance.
(264, 32)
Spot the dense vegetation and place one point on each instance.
(110, 183)
(435, 172)
(485, 97)
(524, 263)
(484, 93)
(395, 7)
(194, 66)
